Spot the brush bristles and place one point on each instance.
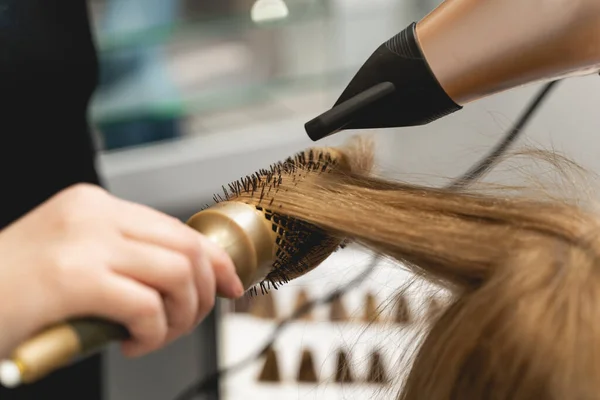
(264, 181)
(301, 246)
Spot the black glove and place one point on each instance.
(394, 88)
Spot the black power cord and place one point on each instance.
(210, 382)
(488, 162)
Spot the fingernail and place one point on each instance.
(237, 289)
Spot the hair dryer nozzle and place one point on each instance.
(394, 88)
(335, 119)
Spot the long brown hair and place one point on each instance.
(523, 273)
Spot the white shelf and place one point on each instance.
(242, 334)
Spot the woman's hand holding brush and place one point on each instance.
(86, 253)
(108, 270)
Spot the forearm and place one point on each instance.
(478, 48)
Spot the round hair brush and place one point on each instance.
(267, 249)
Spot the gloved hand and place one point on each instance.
(394, 88)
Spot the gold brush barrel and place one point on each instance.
(240, 229)
(245, 235)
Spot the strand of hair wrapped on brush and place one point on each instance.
(524, 272)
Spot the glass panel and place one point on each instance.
(174, 68)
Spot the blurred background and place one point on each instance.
(194, 95)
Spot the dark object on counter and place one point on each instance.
(270, 371)
(306, 371)
(301, 300)
(403, 315)
(343, 374)
(337, 310)
(371, 310)
(377, 372)
(117, 135)
(263, 306)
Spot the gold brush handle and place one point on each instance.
(241, 230)
(57, 347)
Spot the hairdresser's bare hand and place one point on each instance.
(87, 253)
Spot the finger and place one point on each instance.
(227, 280)
(204, 278)
(145, 224)
(168, 272)
(137, 307)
